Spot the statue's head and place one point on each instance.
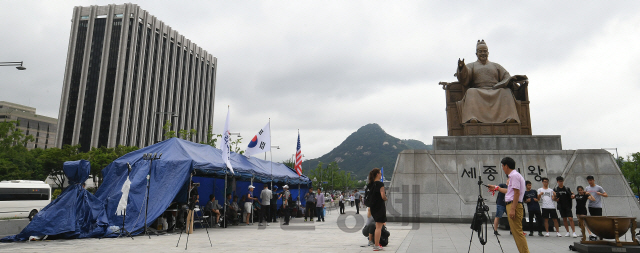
(482, 51)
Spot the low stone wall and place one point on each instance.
(12, 227)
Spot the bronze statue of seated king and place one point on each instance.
(487, 100)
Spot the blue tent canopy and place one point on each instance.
(169, 174)
(76, 213)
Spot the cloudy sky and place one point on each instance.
(330, 67)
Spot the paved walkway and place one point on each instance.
(340, 233)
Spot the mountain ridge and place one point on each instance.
(366, 148)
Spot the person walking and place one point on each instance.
(565, 197)
(531, 198)
(378, 208)
(341, 203)
(547, 195)
(357, 198)
(501, 208)
(310, 206)
(514, 194)
(265, 201)
(320, 205)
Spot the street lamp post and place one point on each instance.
(17, 64)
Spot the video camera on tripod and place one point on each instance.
(481, 217)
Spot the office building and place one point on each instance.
(42, 128)
(126, 74)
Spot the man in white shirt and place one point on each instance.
(265, 201)
(547, 195)
(341, 203)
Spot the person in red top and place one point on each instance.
(513, 198)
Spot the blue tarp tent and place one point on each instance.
(170, 174)
(167, 177)
(76, 213)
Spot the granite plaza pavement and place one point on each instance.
(303, 236)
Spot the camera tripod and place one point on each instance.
(479, 217)
(192, 214)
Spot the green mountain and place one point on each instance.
(369, 147)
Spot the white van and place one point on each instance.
(23, 198)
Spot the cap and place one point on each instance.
(251, 187)
(286, 186)
(275, 187)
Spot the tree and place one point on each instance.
(52, 161)
(211, 137)
(103, 156)
(16, 162)
(168, 133)
(630, 171)
(182, 134)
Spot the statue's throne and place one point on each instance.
(455, 127)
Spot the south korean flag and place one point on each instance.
(261, 142)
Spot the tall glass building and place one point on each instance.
(126, 74)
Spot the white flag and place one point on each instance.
(261, 142)
(226, 144)
(122, 205)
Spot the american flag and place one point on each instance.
(298, 164)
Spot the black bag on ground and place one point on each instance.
(384, 234)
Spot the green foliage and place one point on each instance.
(336, 178)
(211, 137)
(16, 162)
(367, 148)
(630, 169)
(101, 157)
(56, 193)
(168, 134)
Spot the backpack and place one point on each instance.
(368, 195)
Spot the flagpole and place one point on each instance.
(271, 154)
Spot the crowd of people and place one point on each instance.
(543, 203)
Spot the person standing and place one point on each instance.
(565, 197)
(514, 194)
(320, 205)
(501, 208)
(357, 198)
(351, 199)
(341, 203)
(248, 204)
(547, 196)
(378, 208)
(286, 204)
(310, 206)
(531, 198)
(595, 206)
(274, 204)
(265, 200)
(581, 204)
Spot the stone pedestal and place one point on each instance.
(441, 185)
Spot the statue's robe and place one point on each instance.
(481, 101)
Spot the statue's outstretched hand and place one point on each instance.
(460, 64)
